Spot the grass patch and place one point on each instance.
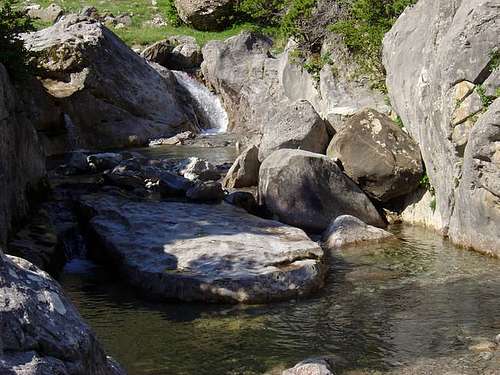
(139, 34)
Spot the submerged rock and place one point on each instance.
(42, 332)
(309, 190)
(212, 253)
(349, 230)
(310, 367)
(379, 156)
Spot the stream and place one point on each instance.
(383, 306)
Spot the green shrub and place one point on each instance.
(264, 12)
(171, 14)
(363, 31)
(315, 64)
(297, 14)
(13, 55)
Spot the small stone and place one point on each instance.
(485, 346)
(209, 191)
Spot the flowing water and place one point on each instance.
(209, 106)
(383, 305)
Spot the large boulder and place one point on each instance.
(46, 15)
(254, 84)
(295, 126)
(378, 155)
(206, 15)
(109, 94)
(245, 170)
(178, 53)
(240, 71)
(309, 190)
(436, 71)
(22, 164)
(42, 332)
(211, 253)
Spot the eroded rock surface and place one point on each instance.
(21, 158)
(110, 96)
(380, 157)
(254, 84)
(294, 126)
(211, 253)
(436, 72)
(348, 230)
(309, 190)
(245, 170)
(42, 333)
(206, 15)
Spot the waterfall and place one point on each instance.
(208, 105)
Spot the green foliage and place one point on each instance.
(266, 12)
(298, 11)
(426, 184)
(315, 63)
(494, 60)
(171, 13)
(485, 99)
(363, 32)
(433, 204)
(399, 122)
(13, 55)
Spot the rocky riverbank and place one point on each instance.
(317, 154)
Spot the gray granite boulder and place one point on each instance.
(436, 71)
(206, 15)
(349, 230)
(310, 367)
(245, 170)
(111, 97)
(309, 190)
(295, 126)
(42, 332)
(197, 252)
(49, 14)
(378, 155)
(22, 164)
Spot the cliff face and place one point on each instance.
(22, 164)
(443, 80)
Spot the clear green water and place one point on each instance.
(383, 306)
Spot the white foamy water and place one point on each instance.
(208, 104)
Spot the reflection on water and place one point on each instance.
(383, 306)
(215, 154)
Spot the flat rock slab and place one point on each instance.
(211, 253)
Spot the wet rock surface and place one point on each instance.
(348, 230)
(42, 333)
(211, 253)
